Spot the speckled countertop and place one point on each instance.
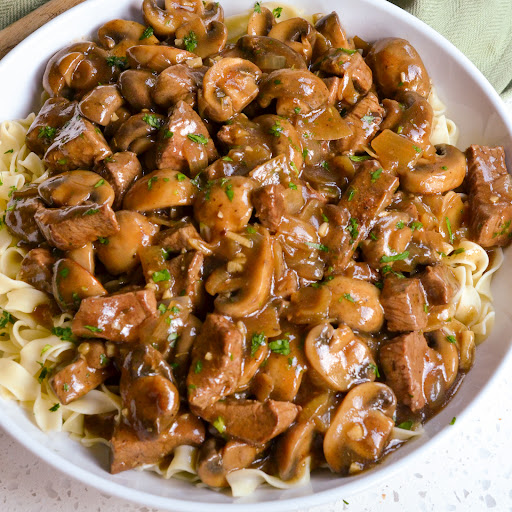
(470, 471)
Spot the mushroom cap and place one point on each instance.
(330, 27)
(136, 86)
(228, 87)
(156, 58)
(298, 34)
(209, 39)
(176, 13)
(119, 35)
(361, 427)
(338, 357)
(136, 134)
(101, 103)
(260, 23)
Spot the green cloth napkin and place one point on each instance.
(482, 29)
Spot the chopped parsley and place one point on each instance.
(250, 230)
(367, 119)
(190, 41)
(93, 328)
(257, 7)
(227, 159)
(65, 387)
(104, 360)
(348, 297)
(347, 51)
(148, 32)
(400, 225)
(162, 308)
(359, 158)
(325, 218)
(292, 186)
(153, 120)
(280, 347)
(64, 333)
(220, 425)
(9, 151)
(229, 191)
(305, 153)
(64, 272)
(444, 168)
(454, 419)
(320, 247)
(46, 348)
(62, 161)
(277, 82)
(198, 366)
(257, 340)
(449, 226)
(406, 425)
(376, 175)
(175, 310)
(180, 176)
(103, 240)
(5, 319)
(168, 134)
(416, 225)
(91, 211)
(325, 165)
(425, 308)
(100, 183)
(375, 369)
(173, 336)
(276, 129)
(294, 167)
(396, 257)
(12, 189)
(297, 110)
(161, 275)
(387, 269)
(277, 12)
(43, 374)
(417, 149)
(459, 250)
(47, 132)
(373, 236)
(197, 137)
(54, 408)
(352, 193)
(118, 62)
(399, 130)
(151, 181)
(451, 338)
(353, 229)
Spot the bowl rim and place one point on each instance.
(345, 489)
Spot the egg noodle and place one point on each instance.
(30, 352)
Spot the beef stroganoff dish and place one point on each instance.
(243, 249)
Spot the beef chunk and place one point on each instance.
(74, 226)
(78, 145)
(91, 368)
(20, 215)
(405, 361)
(187, 273)
(270, 205)
(190, 148)
(490, 196)
(364, 120)
(252, 421)
(129, 451)
(120, 170)
(179, 237)
(54, 114)
(114, 318)
(216, 362)
(403, 300)
(440, 284)
(37, 269)
(368, 194)
(390, 236)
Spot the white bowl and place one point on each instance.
(472, 104)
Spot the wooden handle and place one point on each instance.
(15, 33)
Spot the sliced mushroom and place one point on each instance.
(293, 447)
(100, 104)
(309, 305)
(267, 53)
(201, 38)
(361, 428)
(339, 358)
(447, 172)
(71, 283)
(119, 35)
(397, 67)
(165, 22)
(228, 87)
(253, 283)
(298, 34)
(162, 188)
(84, 256)
(225, 205)
(136, 86)
(138, 133)
(260, 22)
(356, 303)
(214, 462)
(446, 346)
(157, 58)
(73, 188)
(77, 67)
(120, 252)
(293, 88)
(178, 83)
(330, 27)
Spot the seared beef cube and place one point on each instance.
(78, 145)
(120, 170)
(405, 360)
(129, 450)
(187, 272)
(20, 215)
(37, 269)
(178, 238)
(91, 368)
(54, 114)
(72, 227)
(190, 147)
(270, 205)
(389, 237)
(368, 194)
(403, 300)
(440, 284)
(364, 120)
(216, 362)
(490, 196)
(252, 421)
(114, 318)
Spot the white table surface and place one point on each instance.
(470, 471)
